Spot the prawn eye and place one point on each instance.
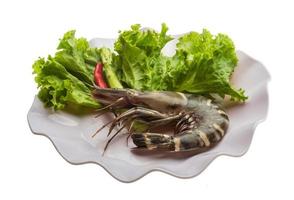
(172, 106)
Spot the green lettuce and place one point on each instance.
(203, 63)
(136, 51)
(207, 64)
(67, 77)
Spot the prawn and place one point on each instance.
(199, 123)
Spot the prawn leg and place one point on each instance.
(136, 112)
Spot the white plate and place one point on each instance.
(71, 134)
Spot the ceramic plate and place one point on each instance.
(71, 134)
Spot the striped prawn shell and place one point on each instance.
(202, 126)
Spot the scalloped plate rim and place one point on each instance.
(158, 169)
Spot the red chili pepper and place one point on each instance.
(98, 76)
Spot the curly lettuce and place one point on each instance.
(203, 63)
(67, 77)
(136, 49)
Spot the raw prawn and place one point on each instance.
(199, 123)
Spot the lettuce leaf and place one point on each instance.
(208, 63)
(203, 63)
(136, 50)
(67, 77)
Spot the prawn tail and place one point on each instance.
(190, 140)
(181, 142)
(152, 141)
(199, 139)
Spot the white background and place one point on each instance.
(31, 168)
